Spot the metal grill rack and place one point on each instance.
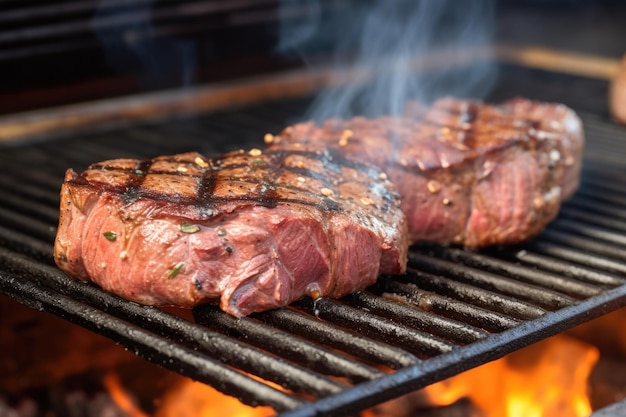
(454, 309)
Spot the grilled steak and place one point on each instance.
(468, 173)
(256, 230)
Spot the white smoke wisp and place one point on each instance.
(391, 39)
(132, 44)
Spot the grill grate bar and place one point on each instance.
(541, 296)
(453, 310)
(76, 156)
(31, 190)
(33, 208)
(37, 183)
(462, 311)
(586, 245)
(472, 296)
(458, 332)
(598, 180)
(592, 232)
(284, 344)
(563, 268)
(338, 338)
(599, 209)
(601, 197)
(145, 344)
(576, 256)
(25, 244)
(461, 359)
(596, 176)
(173, 328)
(593, 219)
(27, 224)
(415, 341)
(541, 278)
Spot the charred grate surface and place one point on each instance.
(453, 310)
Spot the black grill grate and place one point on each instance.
(453, 310)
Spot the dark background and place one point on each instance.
(51, 54)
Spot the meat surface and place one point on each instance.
(468, 173)
(256, 230)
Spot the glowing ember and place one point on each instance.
(193, 399)
(545, 379)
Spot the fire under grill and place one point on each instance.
(455, 309)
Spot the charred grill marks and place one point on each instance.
(252, 174)
(501, 171)
(309, 215)
(256, 230)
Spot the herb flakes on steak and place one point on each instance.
(256, 229)
(468, 173)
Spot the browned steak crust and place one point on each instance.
(468, 173)
(256, 230)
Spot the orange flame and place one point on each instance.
(193, 399)
(548, 378)
(545, 379)
(122, 398)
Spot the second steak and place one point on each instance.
(468, 173)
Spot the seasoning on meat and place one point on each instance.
(317, 212)
(468, 173)
(254, 236)
(189, 228)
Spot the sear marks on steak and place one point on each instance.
(256, 230)
(468, 173)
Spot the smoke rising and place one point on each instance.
(132, 43)
(390, 39)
